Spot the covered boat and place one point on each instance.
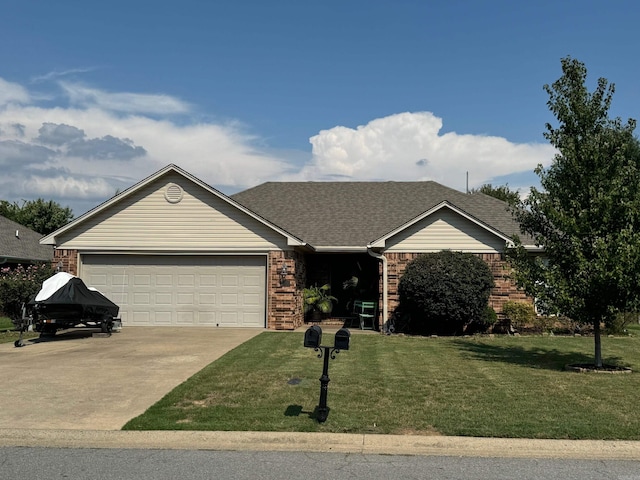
(65, 301)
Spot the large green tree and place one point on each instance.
(587, 214)
(501, 192)
(43, 216)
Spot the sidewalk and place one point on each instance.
(324, 442)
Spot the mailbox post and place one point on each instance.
(312, 339)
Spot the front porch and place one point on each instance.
(352, 277)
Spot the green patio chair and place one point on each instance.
(366, 312)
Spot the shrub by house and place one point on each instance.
(445, 292)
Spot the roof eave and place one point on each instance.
(9, 258)
(340, 249)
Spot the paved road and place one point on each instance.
(53, 463)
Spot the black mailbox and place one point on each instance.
(313, 337)
(342, 339)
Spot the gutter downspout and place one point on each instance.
(381, 257)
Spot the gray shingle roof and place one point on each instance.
(353, 214)
(23, 248)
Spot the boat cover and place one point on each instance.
(66, 296)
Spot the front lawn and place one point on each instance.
(474, 386)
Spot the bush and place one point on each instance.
(620, 322)
(520, 314)
(488, 320)
(445, 292)
(561, 325)
(544, 323)
(18, 285)
(490, 317)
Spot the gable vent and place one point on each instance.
(173, 193)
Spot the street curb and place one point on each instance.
(324, 442)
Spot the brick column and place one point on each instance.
(396, 265)
(67, 260)
(284, 303)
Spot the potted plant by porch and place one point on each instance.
(318, 301)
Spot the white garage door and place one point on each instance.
(181, 290)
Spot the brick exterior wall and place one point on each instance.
(284, 294)
(65, 261)
(503, 291)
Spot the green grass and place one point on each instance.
(5, 324)
(7, 333)
(478, 386)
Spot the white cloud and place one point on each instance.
(73, 153)
(67, 187)
(142, 103)
(60, 73)
(409, 146)
(80, 153)
(12, 93)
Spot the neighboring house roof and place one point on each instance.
(357, 214)
(19, 244)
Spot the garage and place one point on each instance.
(181, 290)
(171, 250)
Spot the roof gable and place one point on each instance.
(117, 204)
(443, 228)
(441, 208)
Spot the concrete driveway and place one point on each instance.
(85, 382)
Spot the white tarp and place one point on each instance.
(52, 285)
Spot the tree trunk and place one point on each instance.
(598, 345)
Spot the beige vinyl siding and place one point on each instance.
(445, 230)
(146, 220)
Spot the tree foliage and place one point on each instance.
(502, 192)
(444, 292)
(587, 217)
(40, 215)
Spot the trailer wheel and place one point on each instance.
(106, 326)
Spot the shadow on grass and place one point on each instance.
(297, 410)
(541, 358)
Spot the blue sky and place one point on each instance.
(94, 96)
